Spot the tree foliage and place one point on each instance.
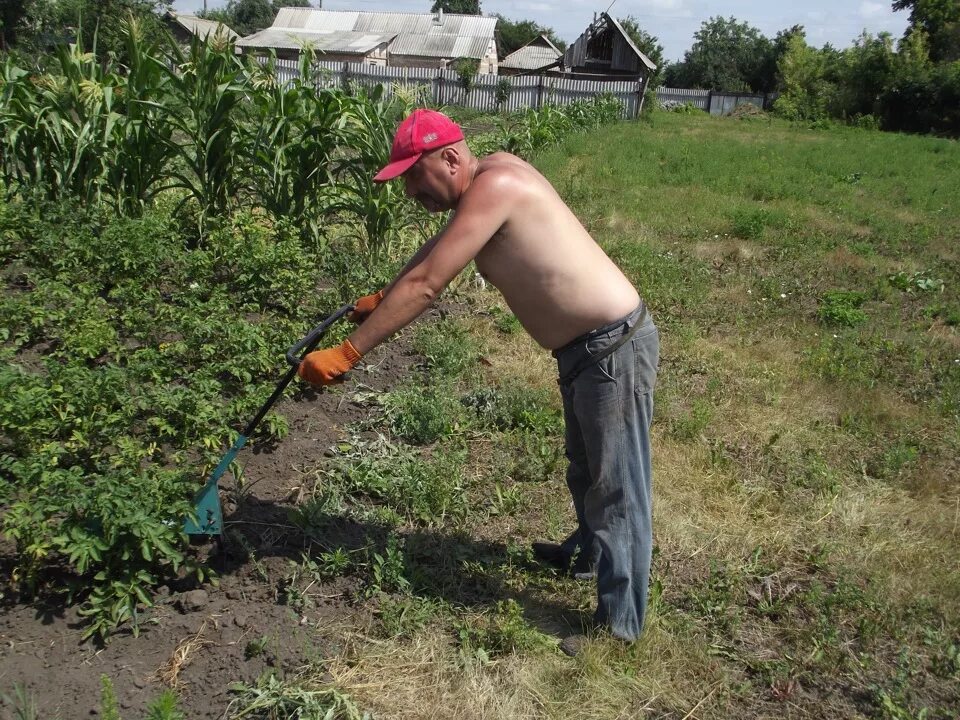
(940, 21)
(461, 7)
(802, 71)
(511, 35)
(249, 16)
(726, 55)
(35, 26)
(648, 44)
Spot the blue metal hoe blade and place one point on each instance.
(206, 503)
(209, 516)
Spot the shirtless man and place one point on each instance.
(574, 301)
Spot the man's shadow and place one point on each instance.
(446, 565)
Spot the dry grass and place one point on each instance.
(426, 677)
(169, 672)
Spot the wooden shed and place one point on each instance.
(606, 48)
(537, 55)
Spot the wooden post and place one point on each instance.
(642, 93)
(540, 91)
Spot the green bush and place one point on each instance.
(841, 307)
(422, 415)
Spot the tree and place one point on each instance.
(940, 20)
(801, 70)
(249, 16)
(726, 55)
(768, 79)
(461, 7)
(511, 35)
(648, 44)
(35, 25)
(863, 71)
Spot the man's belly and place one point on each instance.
(554, 324)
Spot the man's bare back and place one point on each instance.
(523, 238)
(554, 277)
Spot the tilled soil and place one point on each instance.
(201, 639)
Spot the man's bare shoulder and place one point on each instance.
(504, 172)
(504, 162)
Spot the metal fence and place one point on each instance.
(444, 87)
(510, 93)
(698, 98)
(712, 101)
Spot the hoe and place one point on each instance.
(209, 517)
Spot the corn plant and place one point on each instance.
(59, 125)
(142, 149)
(292, 142)
(380, 209)
(204, 112)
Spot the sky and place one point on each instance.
(838, 22)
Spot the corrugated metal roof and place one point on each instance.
(201, 27)
(338, 42)
(385, 22)
(312, 19)
(439, 46)
(417, 34)
(536, 54)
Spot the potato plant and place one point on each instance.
(162, 236)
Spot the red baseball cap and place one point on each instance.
(420, 131)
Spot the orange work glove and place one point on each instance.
(364, 306)
(324, 367)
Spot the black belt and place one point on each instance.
(607, 351)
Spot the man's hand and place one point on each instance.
(364, 306)
(324, 367)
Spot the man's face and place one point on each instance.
(429, 182)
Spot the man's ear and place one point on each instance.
(452, 157)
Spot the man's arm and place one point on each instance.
(483, 209)
(417, 258)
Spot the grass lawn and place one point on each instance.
(807, 437)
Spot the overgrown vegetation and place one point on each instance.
(166, 227)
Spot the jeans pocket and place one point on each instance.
(607, 366)
(646, 352)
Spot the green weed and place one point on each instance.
(165, 707)
(423, 415)
(405, 616)
(256, 647)
(515, 408)
(920, 281)
(448, 347)
(842, 307)
(270, 697)
(387, 570)
(499, 633)
(22, 703)
(109, 707)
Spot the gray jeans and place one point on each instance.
(607, 410)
